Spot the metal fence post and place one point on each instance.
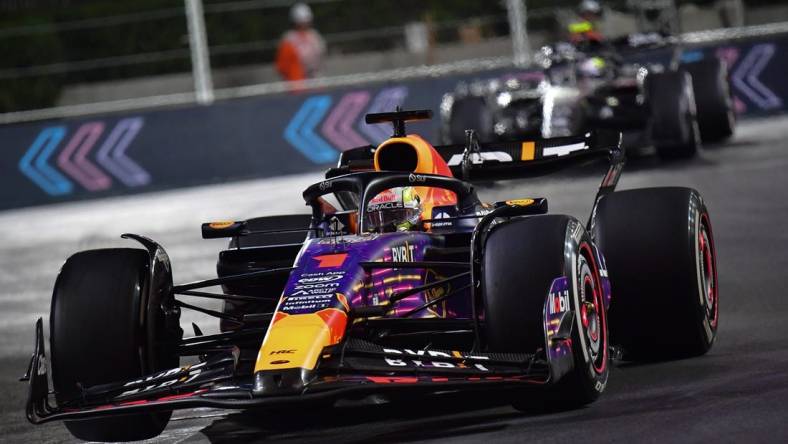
(516, 11)
(198, 43)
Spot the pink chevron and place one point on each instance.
(79, 167)
(729, 55)
(338, 127)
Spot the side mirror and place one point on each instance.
(537, 205)
(220, 229)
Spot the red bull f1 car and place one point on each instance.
(400, 282)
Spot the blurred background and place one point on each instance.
(61, 53)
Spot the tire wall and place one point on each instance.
(125, 153)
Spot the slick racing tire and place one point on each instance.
(522, 260)
(96, 337)
(661, 260)
(469, 113)
(716, 117)
(674, 126)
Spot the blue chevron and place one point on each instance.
(300, 132)
(692, 56)
(43, 175)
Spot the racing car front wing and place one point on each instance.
(352, 369)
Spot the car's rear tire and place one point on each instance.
(96, 337)
(470, 113)
(674, 126)
(522, 258)
(661, 260)
(716, 117)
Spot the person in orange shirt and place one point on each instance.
(586, 30)
(300, 52)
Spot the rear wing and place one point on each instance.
(475, 160)
(528, 158)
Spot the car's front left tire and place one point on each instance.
(99, 335)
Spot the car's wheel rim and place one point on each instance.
(592, 311)
(708, 273)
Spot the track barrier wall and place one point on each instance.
(265, 136)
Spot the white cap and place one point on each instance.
(301, 14)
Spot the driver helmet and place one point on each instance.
(395, 209)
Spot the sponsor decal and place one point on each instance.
(193, 373)
(385, 206)
(336, 227)
(559, 301)
(331, 260)
(320, 279)
(446, 212)
(347, 238)
(385, 196)
(221, 225)
(317, 283)
(324, 185)
(309, 289)
(411, 358)
(479, 158)
(282, 352)
(564, 150)
(402, 253)
(307, 302)
(520, 202)
(414, 178)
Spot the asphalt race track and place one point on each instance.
(738, 392)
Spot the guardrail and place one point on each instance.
(400, 74)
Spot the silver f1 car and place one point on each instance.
(672, 106)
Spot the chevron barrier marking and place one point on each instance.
(300, 132)
(729, 55)
(338, 127)
(745, 77)
(33, 163)
(386, 100)
(78, 166)
(112, 154)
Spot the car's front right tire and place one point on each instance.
(522, 261)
